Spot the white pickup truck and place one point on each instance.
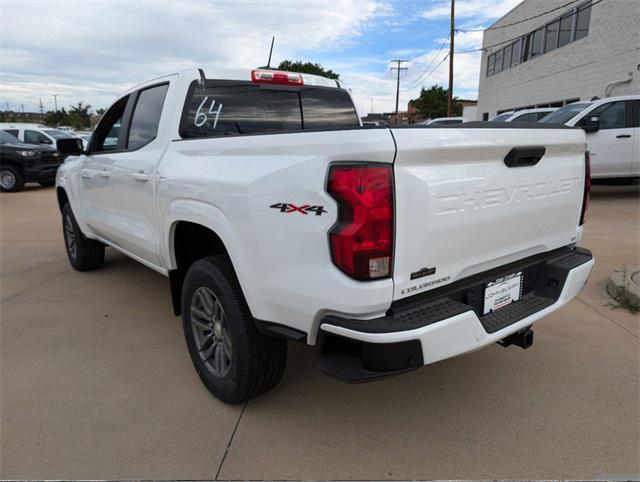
(277, 216)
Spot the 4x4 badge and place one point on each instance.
(304, 209)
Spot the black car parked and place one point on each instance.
(20, 163)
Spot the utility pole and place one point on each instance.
(371, 104)
(55, 101)
(398, 67)
(22, 108)
(41, 107)
(452, 32)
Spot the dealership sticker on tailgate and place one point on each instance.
(502, 292)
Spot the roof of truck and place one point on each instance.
(225, 73)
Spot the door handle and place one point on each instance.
(524, 156)
(623, 136)
(105, 174)
(85, 174)
(141, 176)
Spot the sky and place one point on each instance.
(91, 51)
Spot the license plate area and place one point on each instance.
(502, 292)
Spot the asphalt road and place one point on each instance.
(96, 382)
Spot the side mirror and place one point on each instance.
(590, 124)
(45, 141)
(69, 147)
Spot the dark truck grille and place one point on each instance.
(50, 157)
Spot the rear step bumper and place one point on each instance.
(447, 322)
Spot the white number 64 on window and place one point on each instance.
(201, 117)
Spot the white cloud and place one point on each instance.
(93, 51)
(478, 10)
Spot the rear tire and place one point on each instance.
(234, 361)
(84, 254)
(11, 179)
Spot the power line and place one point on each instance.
(519, 21)
(433, 59)
(444, 59)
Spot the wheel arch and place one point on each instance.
(62, 197)
(189, 241)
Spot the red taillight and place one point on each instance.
(362, 240)
(587, 187)
(275, 77)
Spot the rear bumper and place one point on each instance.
(449, 323)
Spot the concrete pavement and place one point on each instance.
(96, 382)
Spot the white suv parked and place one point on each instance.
(35, 133)
(612, 125)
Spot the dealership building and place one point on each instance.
(548, 53)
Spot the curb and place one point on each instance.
(624, 285)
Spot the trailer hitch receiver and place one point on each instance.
(522, 338)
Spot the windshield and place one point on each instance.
(6, 138)
(565, 114)
(56, 134)
(502, 117)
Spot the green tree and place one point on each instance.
(433, 103)
(80, 115)
(54, 119)
(307, 68)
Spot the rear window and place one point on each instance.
(223, 108)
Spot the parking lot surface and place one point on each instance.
(96, 382)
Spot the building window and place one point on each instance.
(498, 61)
(551, 37)
(506, 57)
(566, 28)
(536, 43)
(491, 64)
(582, 23)
(561, 31)
(516, 53)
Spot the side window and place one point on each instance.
(613, 115)
(146, 116)
(530, 117)
(108, 135)
(13, 132)
(540, 115)
(35, 137)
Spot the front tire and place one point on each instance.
(234, 361)
(84, 254)
(11, 179)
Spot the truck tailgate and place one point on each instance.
(461, 210)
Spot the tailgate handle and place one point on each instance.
(524, 156)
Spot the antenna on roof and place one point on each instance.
(270, 52)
